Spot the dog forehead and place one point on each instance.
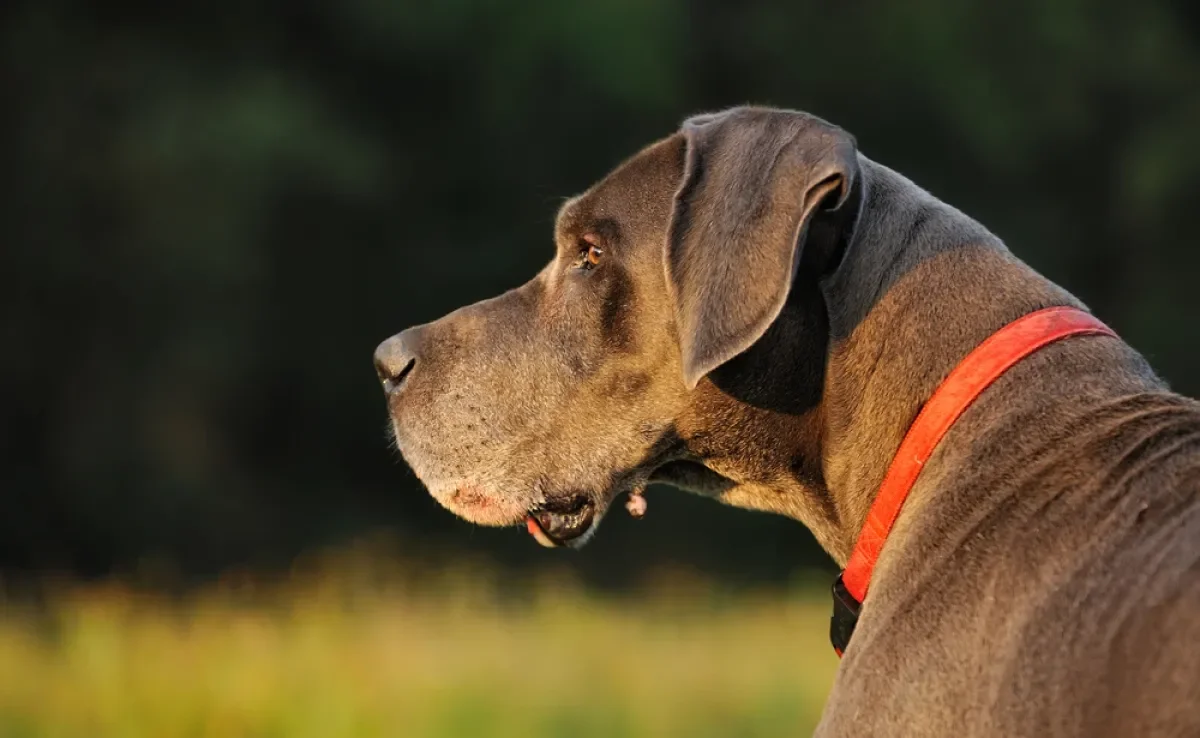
(570, 215)
(642, 185)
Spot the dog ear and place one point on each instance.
(753, 180)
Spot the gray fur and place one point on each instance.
(727, 237)
(1044, 576)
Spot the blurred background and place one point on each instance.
(212, 213)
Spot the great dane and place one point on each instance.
(752, 310)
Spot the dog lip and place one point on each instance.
(539, 535)
(559, 521)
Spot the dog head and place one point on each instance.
(675, 334)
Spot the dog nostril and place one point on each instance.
(394, 361)
(399, 378)
(390, 376)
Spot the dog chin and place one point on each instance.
(476, 505)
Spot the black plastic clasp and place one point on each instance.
(844, 618)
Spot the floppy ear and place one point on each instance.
(753, 180)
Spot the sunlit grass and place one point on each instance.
(357, 648)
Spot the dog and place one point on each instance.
(752, 310)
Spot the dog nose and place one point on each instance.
(395, 359)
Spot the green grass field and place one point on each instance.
(353, 650)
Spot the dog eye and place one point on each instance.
(593, 255)
(590, 252)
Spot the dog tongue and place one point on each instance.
(539, 535)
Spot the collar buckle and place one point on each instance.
(845, 616)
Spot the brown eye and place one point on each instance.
(591, 251)
(593, 255)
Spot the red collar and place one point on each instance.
(967, 381)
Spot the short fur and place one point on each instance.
(771, 311)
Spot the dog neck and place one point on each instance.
(913, 269)
(918, 285)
